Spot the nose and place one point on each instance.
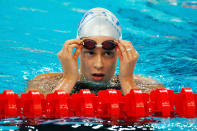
(98, 64)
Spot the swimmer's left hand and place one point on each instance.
(128, 57)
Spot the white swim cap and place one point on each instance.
(99, 22)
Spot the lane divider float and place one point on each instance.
(108, 103)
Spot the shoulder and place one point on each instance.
(142, 78)
(147, 84)
(48, 75)
(44, 83)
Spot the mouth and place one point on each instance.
(98, 76)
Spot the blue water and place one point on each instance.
(164, 32)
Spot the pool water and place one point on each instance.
(164, 32)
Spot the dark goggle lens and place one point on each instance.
(89, 44)
(108, 45)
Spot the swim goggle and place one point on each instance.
(91, 44)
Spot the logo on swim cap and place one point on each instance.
(99, 22)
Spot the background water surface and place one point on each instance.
(164, 32)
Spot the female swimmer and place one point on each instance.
(98, 46)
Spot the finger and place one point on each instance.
(119, 53)
(116, 42)
(129, 51)
(130, 54)
(59, 54)
(71, 42)
(118, 50)
(133, 49)
(70, 48)
(77, 53)
(135, 53)
(123, 50)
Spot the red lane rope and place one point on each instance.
(108, 103)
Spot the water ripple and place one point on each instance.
(32, 9)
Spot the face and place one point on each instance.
(98, 65)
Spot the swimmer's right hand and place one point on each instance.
(68, 60)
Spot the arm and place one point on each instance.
(47, 75)
(128, 57)
(147, 84)
(44, 83)
(69, 65)
(66, 84)
(127, 85)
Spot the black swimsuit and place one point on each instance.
(113, 84)
(94, 89)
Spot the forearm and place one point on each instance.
(127, 85)
(65, 84)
